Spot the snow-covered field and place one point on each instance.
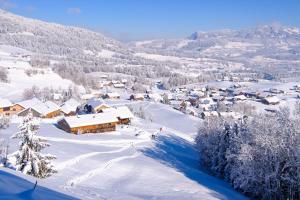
(121, 165)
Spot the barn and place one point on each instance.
(92, 123)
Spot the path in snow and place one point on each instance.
(99, 170)
(82, 157)
(109, 143)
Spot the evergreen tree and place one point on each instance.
(29, 159)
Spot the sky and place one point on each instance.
(129, 20)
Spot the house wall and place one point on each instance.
(100, 108)
(64, 125)
(99, 128)
(26, 112)
(124, 121)
(12, 110)
(69, 114)
(53, 114)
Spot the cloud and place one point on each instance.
(7, 4)
(74, 11)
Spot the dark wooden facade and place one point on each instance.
(97, 128)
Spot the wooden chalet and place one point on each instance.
(69, 108)
(97, 105)
(92, 123)
(122, 113)
(6, 107)
(38, 108)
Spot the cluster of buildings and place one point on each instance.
(204, 101)
(93, 116)
(118, 84)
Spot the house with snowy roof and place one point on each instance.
(46, 109)
(96, 105)
(70, 107)
(5, 107)
(112, 95)
(119, 85)
(137, 97)
(271, 100)
(240, 97)
(122, 113)
(91, 123)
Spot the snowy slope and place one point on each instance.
(19, 80)
(16, 186)
(120, 165)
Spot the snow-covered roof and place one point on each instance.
(95, 103)
(119, 85)
(5, 103)
(51, 106)
(121, 112)
(113, 94)
(91, 119)
(139, 96)
(272, 99)
(87, 96)
(69, 106)
(240, 97)
(40, 107)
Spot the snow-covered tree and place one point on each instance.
(29, 159)
(3, 75)
(259, 156)
(4, 122)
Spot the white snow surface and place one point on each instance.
(126, 164)
(19, 80)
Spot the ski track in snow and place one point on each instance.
(109, 143)
(90, 174)
(81, 157)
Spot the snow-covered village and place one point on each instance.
(92, 113)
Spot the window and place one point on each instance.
(6, 109)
